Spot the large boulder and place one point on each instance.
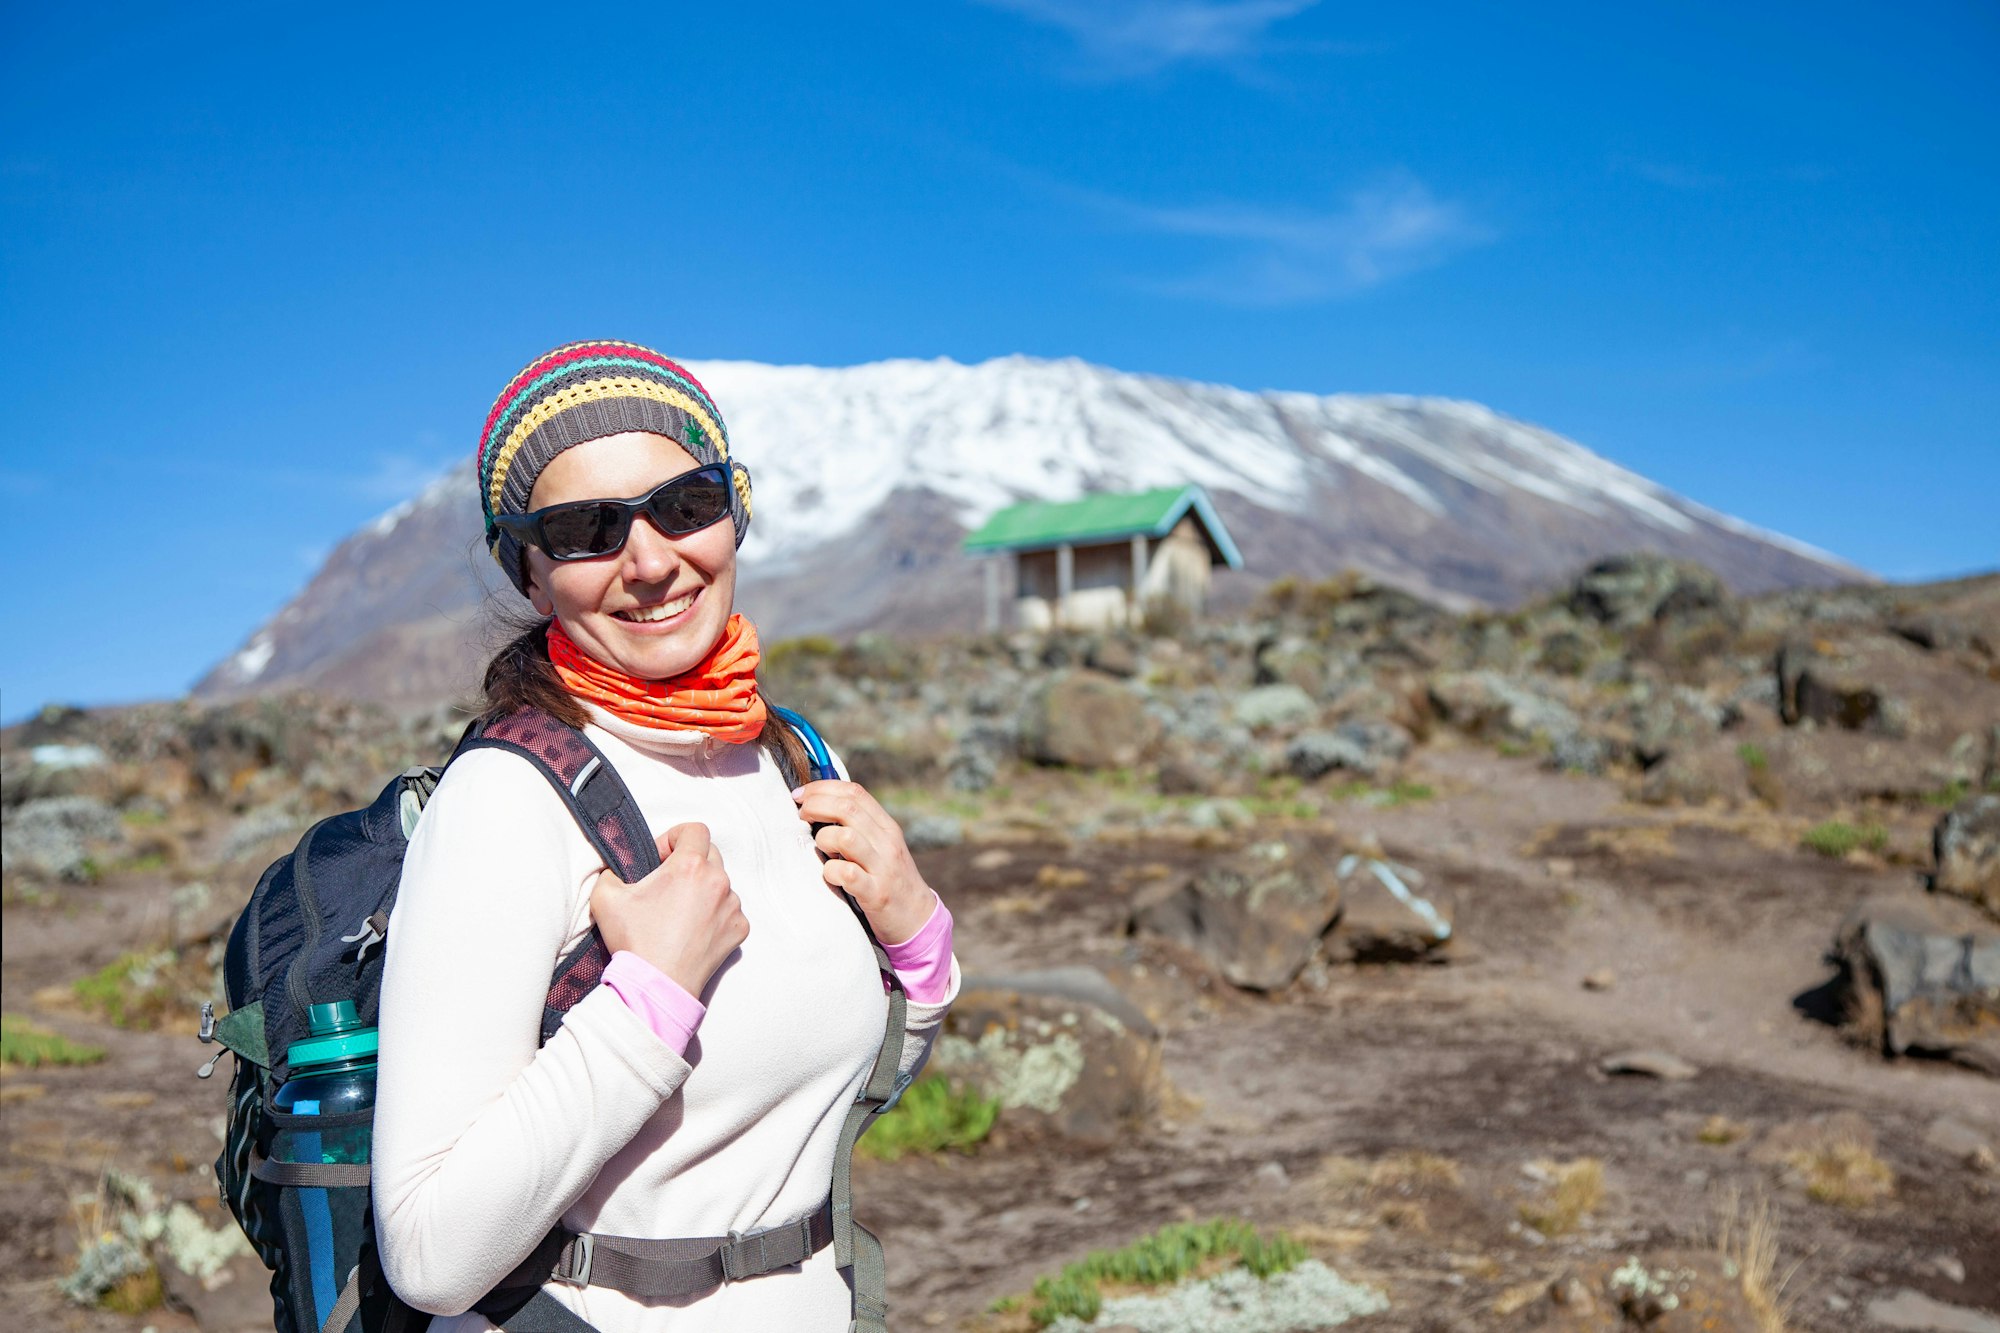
(1967, 843)
(1389, 914)
(1085, 719)
(1256, 915)
(1060, 1049)
(1849, 689)
(1913, 985)
(1628, 591)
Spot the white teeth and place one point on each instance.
(665, 611)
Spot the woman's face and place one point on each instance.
(611, 606)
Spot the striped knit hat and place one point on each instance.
(585, 391)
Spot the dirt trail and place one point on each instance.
(1712, 930)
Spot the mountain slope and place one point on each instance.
(868, 476)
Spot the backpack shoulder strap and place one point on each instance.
(854, 1246)
(603, 807)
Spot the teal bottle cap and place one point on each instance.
(338, 1037)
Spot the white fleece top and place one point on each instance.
(483, 1141)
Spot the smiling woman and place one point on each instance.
(683, 1126)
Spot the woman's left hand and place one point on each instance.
(868, 858)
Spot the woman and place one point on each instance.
(700, 1090)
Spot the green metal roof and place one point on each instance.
(1038, 524)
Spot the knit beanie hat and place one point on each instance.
(585, 391)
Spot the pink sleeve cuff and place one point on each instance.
(670, 1011)
(923, 962)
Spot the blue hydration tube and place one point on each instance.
(823, 768)
(318, 1218)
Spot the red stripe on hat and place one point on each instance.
(577, 352)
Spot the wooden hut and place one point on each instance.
(1098, 562)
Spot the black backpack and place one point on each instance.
(314, 933)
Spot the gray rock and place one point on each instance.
(1366, 747)
(1913, 986)
(1578, 753)
(1627, 591)
(55, 836)
(1906, 1309)
(1389, 914)
(1083, 719)
(1256, 915)
(1489, 705)
(1273, 707)
(1967, 846)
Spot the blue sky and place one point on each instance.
(262, 268)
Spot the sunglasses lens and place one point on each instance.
(587, 529)
(691, 503)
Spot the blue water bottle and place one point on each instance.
(332, 1079)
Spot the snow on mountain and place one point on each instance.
(866, 477)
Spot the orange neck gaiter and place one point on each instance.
(718, 695)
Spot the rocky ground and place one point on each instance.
(1487, 956)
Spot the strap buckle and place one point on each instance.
(574, 1269)
(903, 1082)
(759, 1252)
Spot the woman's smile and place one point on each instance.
(659, 616)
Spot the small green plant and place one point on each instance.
(1178, 1250)
(1836, 838)
(1950, 794)
(136, 990)
(933, 1117)
(28, 1046)
(1753, 756)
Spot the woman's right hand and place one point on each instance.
(683, 918)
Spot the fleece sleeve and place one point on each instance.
(483, 1139)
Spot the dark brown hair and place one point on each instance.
(521, 676)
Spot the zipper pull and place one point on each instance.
(209, 1068)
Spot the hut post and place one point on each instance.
(993, 562)
(1138, 613)
(1065, 578)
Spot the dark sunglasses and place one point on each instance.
(585, 529)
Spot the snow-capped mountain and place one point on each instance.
(867, 477)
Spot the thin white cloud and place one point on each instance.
(1126, 38)
(1276, 257)
(1670, 174)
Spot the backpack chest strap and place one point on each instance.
(655, 1270)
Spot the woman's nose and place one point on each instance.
(650, 555)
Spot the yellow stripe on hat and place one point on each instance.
(590, 391)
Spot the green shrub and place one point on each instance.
(1950, 794)
(1753, 756)
(24, 1044)
(933, 1117)
(1173, 1252)
(136, 990)
(1836, 838)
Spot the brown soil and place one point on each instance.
(1712, 926)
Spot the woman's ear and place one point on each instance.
(537, 581)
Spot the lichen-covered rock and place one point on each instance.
(1060, 1048)
(1627, 591)
(1256, 915)
(1493, 707)
(1913, 985)
(1084, 719)
(1274, 707)
(1673, 1291)
(1967, 844)
(1364, 746)
(55, 837)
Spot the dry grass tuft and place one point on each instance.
(1403, 1173)
(1720, 1131)
(1746, 1237)
(1844, 1172)
(1575, 1189)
